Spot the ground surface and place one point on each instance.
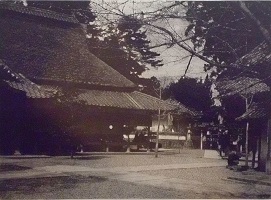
(183, 176)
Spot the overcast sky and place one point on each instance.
(175, 59)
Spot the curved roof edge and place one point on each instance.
(38, 12)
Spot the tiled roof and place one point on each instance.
(37, 12)
(255, 111)
(260, 54)
(183, 110)
(19, 82)
(134, 100)
(31, 89)
(242, 85)
(54, 52)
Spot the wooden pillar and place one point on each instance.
(179, 135)
(253, 159)
(247, 126)
(246, 161)
(259, 148)
(157, 135)
(263, 148)
(268, 158)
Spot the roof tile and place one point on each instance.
(38, 12)
(260, 54)
(31, 89)
(134, 100)
(19, 82)
(241, 85)
(54, 52)
(255, 111)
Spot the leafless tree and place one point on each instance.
(166, 22)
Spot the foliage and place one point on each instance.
(135, 38)
(221, 32)
(191, 92)
(223, 29)
(108, 45)
(225, 32)
(149, 86)
(123, 44)
(125, 47)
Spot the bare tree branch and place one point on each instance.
(169, 43)
(185, 47)
(225, 42)
(150, 19)
(187, 67)
(265, 32)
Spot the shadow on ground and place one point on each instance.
(263, 196)
(89, 157)
(12, 167)
(60, 182)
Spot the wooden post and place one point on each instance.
(159, 115)
(246, 161)
(246, 145)
(259, 150)
(179, 145)
(201, 142)
(157, 135)
(148, 136)
(179, 135)
(128, 148)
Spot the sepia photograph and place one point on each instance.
(135, 99)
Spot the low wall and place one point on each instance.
(173, 142)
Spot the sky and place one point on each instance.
(175, 63)
(175, 59)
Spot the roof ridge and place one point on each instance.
(125, 100)
(156, 98)
(38, 12)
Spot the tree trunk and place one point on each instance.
(264, 31)
(159, 115)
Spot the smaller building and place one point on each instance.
(258, 117)
(175, 126)
(255, 92)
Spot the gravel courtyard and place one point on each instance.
(180, 176)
